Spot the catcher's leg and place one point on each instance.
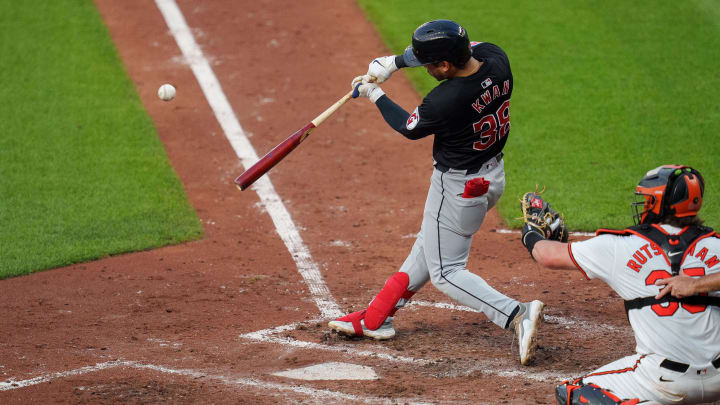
(578, 393)
(632, 379)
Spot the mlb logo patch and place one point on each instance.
(486, 83)
(413, 120)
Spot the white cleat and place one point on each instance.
(526, 328)
(354, 325)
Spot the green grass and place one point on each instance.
(603, 93)
(83, 174)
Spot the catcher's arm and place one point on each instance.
(553, 255)
(684, 286)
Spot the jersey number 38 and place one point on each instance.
(493, 127)
(672, 306)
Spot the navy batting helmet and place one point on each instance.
(668, 190)
(439, 40)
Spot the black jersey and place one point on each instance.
(470, 116)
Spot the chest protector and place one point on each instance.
(675, 248)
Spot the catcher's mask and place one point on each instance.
(440, 40)
(668, 190)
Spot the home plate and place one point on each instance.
(330, 371)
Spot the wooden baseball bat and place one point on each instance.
(279, 152)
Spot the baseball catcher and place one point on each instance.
(667, 270)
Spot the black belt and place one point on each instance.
(444, 168)
(682, 367)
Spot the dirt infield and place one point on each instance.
(211, 321)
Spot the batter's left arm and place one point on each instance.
(410, 125)
(417, 125)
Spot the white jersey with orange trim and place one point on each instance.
(630, 266)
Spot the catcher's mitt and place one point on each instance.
(539, 217)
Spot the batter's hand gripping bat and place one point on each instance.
(279, 152)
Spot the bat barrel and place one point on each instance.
(262, 166)
(272, 158)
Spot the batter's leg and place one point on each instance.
(376, 320)
(415, 266)
(447, 255)
(400, 287)
(386, 302)
(449, 223)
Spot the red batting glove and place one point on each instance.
(476, 187)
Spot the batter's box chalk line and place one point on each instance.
(568, 322)
(272, 335)
(273, 388)
(518, 231)
(502, 367)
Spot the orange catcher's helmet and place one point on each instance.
(668, 190)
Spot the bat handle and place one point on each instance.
(354, 93)
(325, 114)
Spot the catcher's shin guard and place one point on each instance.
(577, 393)
(383, 305)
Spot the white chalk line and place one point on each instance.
(265, 336)
(571, 322)
(571, 233)
(488, 367)
(12, 384)
(231, 381)
(243, 148)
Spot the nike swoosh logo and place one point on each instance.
(674, 254)
(375, 61)
(664, 380)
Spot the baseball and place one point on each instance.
(166, 92)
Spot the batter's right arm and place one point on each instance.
(684, 286)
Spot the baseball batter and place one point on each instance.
(469, 115)
(677, 336)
